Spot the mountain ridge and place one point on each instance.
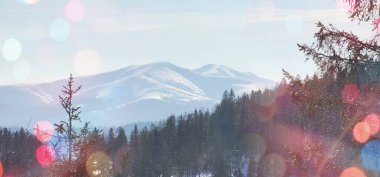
(147, 92)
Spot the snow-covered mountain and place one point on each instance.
(137, 93)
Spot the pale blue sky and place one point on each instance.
(258, 36)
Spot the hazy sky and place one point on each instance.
(44, 40)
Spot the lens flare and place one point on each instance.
(87, 62)
(75, 10)
(361, 132)
(59, 30)
(255, 147)
(370, 155)
(45, 155)
(99, 164)
(21, 70)
(43, 131)
(373, 121)
(353, 172)
(350, 93)
(273, 165)
(12, 49)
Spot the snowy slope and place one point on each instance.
(137, 93)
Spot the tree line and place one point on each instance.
(237, 138)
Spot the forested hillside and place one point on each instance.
(292, 130)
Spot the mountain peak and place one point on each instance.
(215, 70)
(213, 66)
(137, 93)
(160, 64)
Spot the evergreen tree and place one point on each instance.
(133, 152)
(78, 142)
(111, 141)
(121, 139)
(66, 127)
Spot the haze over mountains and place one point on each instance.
(136, 93)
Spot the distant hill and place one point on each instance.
(136, 93)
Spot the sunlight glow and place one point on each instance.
(87, 62)
(273, 165)
(43, 131)
(59, 30)
(99, 164)
(267, 112)
(12, 49)
(373, 121)
(370, 155)
(350, 93)
(75, 10)
(45, 155)
(353, 172)
(361, 132)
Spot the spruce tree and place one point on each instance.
(67, 132)
(111, 141)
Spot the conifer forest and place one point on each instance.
(324, 124)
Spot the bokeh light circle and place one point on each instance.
(99, 164)
(75, 10)
(361, 132)
(87, 62)
(272, 165)
(59, 30)
(21, 70)
(373, 121)
(255, 146)
(43, 130)
(30, 2)
(12, 49)
(370, 155)
(1, 169)
(352, 172)
(45, 155)
(350, 93)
